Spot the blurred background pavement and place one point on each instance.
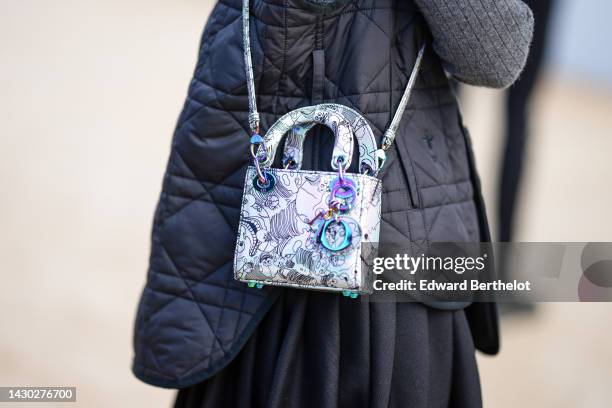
(89, 94)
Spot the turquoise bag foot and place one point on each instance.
(351, 294)
(253, 284)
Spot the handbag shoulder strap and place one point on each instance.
(248, 66)
(389, 135)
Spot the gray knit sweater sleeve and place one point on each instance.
(481, 42)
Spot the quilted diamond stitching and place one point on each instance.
(207, 189)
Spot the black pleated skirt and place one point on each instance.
(323, 350)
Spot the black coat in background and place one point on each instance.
(193, 318)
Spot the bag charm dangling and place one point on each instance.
(305, 229)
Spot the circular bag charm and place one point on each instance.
(343, 194)
(337, 234)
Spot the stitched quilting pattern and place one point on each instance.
(193, 316)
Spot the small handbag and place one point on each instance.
(306, 229)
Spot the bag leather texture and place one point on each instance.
(284, 237)
(278, 246)
(193, 317)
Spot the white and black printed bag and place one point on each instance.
(305, 229)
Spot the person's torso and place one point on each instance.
(193, 317)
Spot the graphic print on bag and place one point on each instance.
(280, 234)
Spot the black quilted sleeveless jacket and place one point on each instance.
(193, 317)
